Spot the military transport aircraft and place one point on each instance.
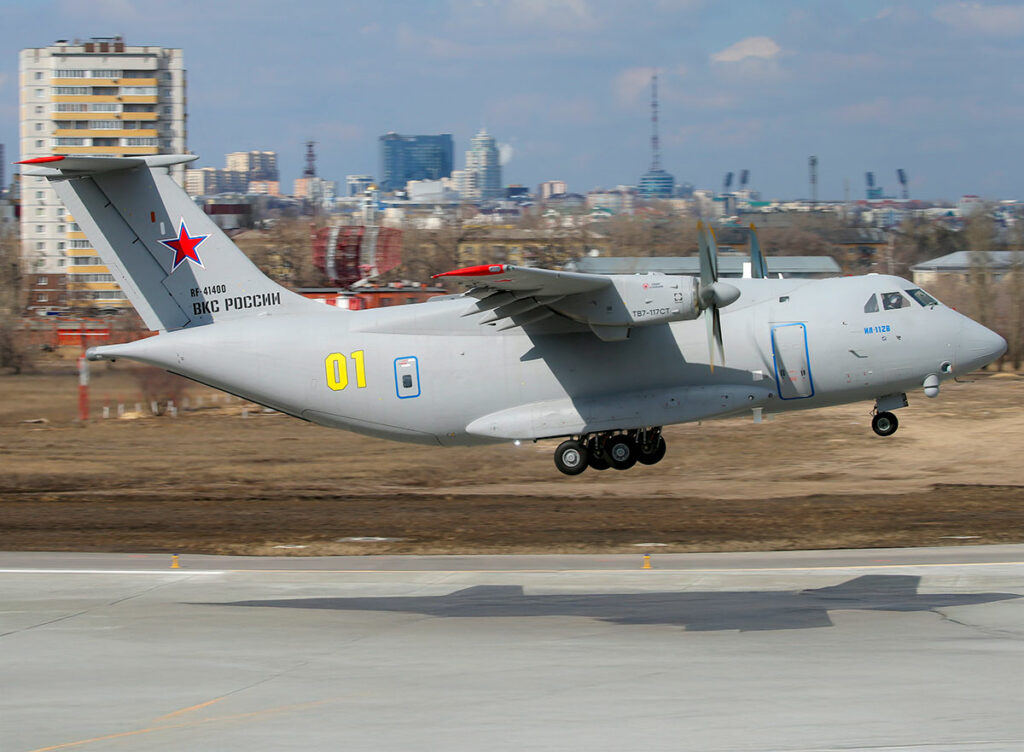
(601, 361)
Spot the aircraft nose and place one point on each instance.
(979, 346)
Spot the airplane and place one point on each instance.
(602, 362)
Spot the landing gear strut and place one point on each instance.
(603, 450)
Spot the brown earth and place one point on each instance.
(212, 481)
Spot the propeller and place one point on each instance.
(712, 293)
(758, 265)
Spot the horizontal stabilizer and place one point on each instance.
(85, 165)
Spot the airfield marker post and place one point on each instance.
(647, 561)
(174, 562)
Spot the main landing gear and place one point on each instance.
(609, 449)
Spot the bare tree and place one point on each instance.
(13, 354)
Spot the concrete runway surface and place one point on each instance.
(917, 649)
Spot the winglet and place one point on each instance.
(474, 271)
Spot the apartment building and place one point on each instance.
(99, 97)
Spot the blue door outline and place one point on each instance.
(407, 392)
(807, 361)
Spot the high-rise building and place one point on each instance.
(405, 158)
(358, 184)
(550, 188)
(99, 97)
(482, 158)
(259, 165)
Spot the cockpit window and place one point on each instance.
(872, 305)
(893, 300)
(922, 297)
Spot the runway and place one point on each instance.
(883, 649)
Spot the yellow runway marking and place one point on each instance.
(187, 724)
(189, 709)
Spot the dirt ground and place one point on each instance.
(213, 481)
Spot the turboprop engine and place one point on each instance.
(636, 300)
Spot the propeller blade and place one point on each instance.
(713, 319)
(758, 264)
(713, 294)
(708, 255)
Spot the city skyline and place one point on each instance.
(564, 86)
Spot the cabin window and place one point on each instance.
(894, 300)
(922, 297)
(872, 305)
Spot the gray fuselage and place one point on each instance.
(426, 373)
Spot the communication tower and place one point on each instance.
(310, 171)
(656, 182)
(812, 163)
(901, 175)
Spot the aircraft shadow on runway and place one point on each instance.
(696, 611)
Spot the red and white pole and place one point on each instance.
(83, 388)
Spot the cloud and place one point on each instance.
(114, 9)
(505, 153)
(996, 20)
(520, 110)
(631, 84)
(348, 132)
(763, 48)
(552, 15)
(730, 133)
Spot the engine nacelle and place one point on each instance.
(635, 300)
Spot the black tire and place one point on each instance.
(654, 456)
(884, 424)
(571, 457)
(596, 458)
(620, 452)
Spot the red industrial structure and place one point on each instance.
(349, 253)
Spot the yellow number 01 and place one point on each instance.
(337, 370)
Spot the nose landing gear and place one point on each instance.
(608, 449)
(884, 424)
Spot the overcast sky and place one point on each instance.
(933, 87)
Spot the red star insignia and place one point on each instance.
(184, 246)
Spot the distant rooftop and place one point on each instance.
(966, 260)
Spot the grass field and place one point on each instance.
(213, 481)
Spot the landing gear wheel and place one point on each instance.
(595, 456)
(884, 424)
(621, 452)
(652, 455)
(571, 457)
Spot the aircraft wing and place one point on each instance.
(523, 279)
(521, 294)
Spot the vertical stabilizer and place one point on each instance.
(175, 265)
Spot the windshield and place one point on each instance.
(893, 300)
(922, 297)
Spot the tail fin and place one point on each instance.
(175, 265)
(758, 265)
